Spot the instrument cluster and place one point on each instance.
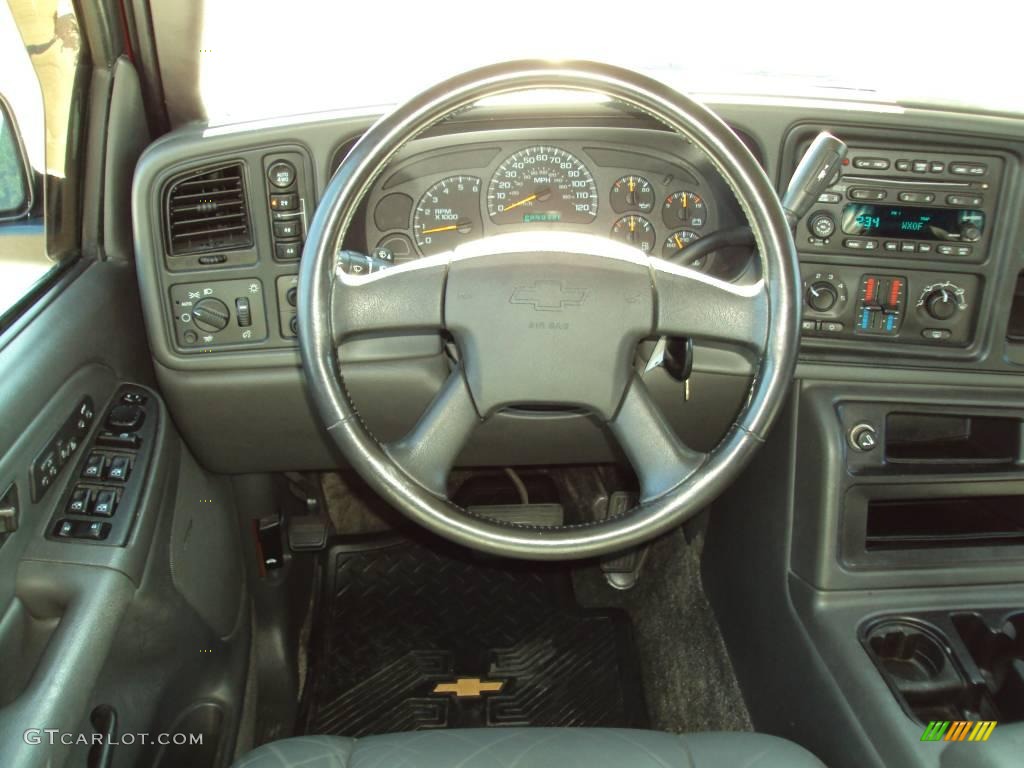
(434, 201)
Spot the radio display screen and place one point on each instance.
(913, 222)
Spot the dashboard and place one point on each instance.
(909, 263)
(658, 198)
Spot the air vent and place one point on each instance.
(206, 211)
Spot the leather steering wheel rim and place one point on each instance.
(319, 309)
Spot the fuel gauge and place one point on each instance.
(636, 231)
(684, 209)
(632, 193)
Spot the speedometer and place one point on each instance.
(542, 184)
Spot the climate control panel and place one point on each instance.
(910, 306)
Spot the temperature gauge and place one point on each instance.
(674, 246)
(684, 209)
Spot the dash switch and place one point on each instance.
(243, 311)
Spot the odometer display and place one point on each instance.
(542, 184)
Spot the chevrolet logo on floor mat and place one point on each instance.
(470, 687)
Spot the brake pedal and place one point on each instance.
(622, 570)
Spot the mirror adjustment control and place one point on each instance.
(125, 418)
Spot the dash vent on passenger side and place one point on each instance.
(208, 211)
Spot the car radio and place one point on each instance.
(885, 202)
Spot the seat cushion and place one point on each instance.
(534, 748)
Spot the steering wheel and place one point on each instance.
(548, 317)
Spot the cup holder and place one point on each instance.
(907, 653)
(955, 665)
(918, 665)
(996, 644)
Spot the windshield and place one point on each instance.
(267, 59)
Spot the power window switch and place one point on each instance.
(106, 502)
(118, 469)
(79, 503)
(96, 531)
(65, 529)
(94, 466)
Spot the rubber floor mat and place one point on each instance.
(410, 638)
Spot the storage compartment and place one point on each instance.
(950, 439)
(999, 654)
(23, 638)
(969, 521)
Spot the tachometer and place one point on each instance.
(539, 184)
(447, 214)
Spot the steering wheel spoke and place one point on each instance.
(406, 298)
(428, 452)
(696, 305)
(660, 459)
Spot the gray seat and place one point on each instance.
(534, 748)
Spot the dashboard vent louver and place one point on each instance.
(207, 211)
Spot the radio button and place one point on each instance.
(829, 197)
(920, 166)
(892, 245)
(968, 169)
(917, 197)
(924, 247)
(871, 163)
(822, 225)
(902, 165)
(908, 247)
(867, 194)
(954, 250)
(860, 244)
(968, 200)
(936, 167)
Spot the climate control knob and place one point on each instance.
(821, 296)
(822, 225)
(210, 315)
(941, 304)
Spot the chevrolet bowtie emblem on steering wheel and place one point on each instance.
(548, 296)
